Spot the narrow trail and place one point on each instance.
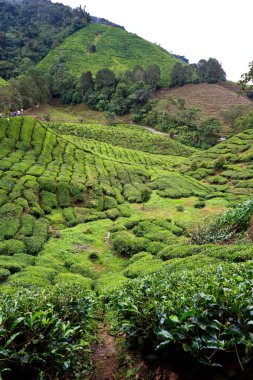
(106, 356)
(153, 130)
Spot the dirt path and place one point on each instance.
(153, 130)
(105, 357)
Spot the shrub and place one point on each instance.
(4, 274)
(48, 201)
(220, 163)
(109, 203)
(50, 328)
(12, 246)
(113, 213)
(225, 226)
(199, 205)
(70, 217)
(73, 279)
(127, 244)
(63, 194)
(155, 247)
(35, 243)
(125, 211)
(207, 313)
(9, 220)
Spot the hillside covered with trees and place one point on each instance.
(29, 29)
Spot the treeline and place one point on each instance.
(30, 29)
(187, 125)
(104, 92)
(208, 71)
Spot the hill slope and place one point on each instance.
(69, 218)
(3, 82)
(31, 28)
(211, 99)
(116, 49)
(227, 165)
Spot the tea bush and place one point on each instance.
(46, 333)
(225, 226)
(127, 244)
(205, 313)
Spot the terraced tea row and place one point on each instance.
(127, 136)
(41, 171)
(228, 166)
(123, 155)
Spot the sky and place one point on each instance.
(197, 29)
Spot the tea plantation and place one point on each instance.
(115, 223)
(113, 48)
(3, 82)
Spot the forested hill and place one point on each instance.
(31, 28)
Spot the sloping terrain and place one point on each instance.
(115, 49)
(75, 218)
(211, 99)
(227, 165)
(47, 178)
(127, 136)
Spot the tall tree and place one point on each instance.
(85, 85)
(178, 75)
(153, 74)
(105, 78)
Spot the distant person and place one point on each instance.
(21, 110)
(18, 112)
(0, 115)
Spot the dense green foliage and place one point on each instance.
(116, 50)
(115, 213)
(228, 166)
(71, 214)
(30, 29)
(204, 71)
(125, 136)
(205, 312)
(47, 333)
(3, 82)
(42, 171)
(226, 226)
(187, 125)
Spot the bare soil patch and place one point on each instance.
(211, 99)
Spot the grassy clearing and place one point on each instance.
(168, 208)
(57, 112)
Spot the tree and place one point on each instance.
(139, 74)
(211, 71)
(85, 84)
(209, 131)
(145, 196)
(105, 78)
(153, 74)
(178, 75)
(28, 90)
(246, 79)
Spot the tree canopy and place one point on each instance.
(30, 29)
